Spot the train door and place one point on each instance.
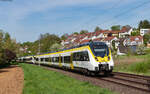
(81, 59)
(71, 61)
(60, 61)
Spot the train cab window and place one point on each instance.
(81, 56)
(67, 59)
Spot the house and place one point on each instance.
(125, 31)
(133, 40)
(148, 44)
(129, 44)
(108, 33)
(107, 36)
(109, 41)
(98, 34)
(144, 31)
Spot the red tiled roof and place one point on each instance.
(85, 41)
(125, 29)
(107, 31)
(109, 38)
(97, 33)
(98, 39)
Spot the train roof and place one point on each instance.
(81, 45)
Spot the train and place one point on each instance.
(89, 58)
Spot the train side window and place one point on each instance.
(46, 59)
(42, 59)
(85, 56)
(67, 59)
(30, 58)
(55, 59)
(76, 56)
(81, 56)
(37, 59)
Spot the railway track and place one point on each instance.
(132, 75)
(131, 81)
(137, 82)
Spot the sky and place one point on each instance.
(25, 20)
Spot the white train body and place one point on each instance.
(94, 57)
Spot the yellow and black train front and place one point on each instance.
(102, 56)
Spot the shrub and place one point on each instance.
(141, 67)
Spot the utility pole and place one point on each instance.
(39, 50)
(39, 47)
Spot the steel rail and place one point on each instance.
(123, 84)
(132, 75)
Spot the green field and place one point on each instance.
(38, 80)
(138, 64)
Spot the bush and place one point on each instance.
(147, 51)
(140, 50)
(142, 67)
(6, 56)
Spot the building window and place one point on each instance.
(136, 39)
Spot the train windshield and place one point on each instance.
(100, 50)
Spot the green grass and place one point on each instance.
(42, 81)
(142, 67)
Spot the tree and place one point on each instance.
(41, 45)
(1, 39)
(144, 24)
(64, 36)
(47, 40)
(140, 50)
(83, 31)
(9, 55)
(135, 33)
(115, 27)
(55, 47)
(8, 47)
(97, 29)
(113, 45)
(76, 33)
(146, 38)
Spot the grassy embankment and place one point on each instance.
(138, 64)
(41, 81)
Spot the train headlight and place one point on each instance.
(96, 58)
(108, 57)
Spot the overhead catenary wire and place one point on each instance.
(126, 11)
(113, 6)
(120, 14)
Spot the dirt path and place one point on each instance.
(11, 80)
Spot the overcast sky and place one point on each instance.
(25, 20)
